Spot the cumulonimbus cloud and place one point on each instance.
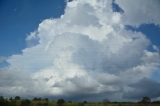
(87, 51)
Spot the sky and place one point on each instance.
(20, 17)
(50, 48)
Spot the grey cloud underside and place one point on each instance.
(87, 53)
(144, 87)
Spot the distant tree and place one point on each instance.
(145, 100)
(1, 98)
(25, 102)
(60, 102)
(85, 102)
(35, 99)
(10, 98)
(17, 98)
(3, 102)
(40, 99)
(69, 101)
(156, 102)
(46, 99)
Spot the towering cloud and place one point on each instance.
(87, 51)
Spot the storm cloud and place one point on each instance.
(87, 52)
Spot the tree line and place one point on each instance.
(18, 101)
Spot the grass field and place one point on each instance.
(53, 103)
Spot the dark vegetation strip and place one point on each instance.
(17, 101)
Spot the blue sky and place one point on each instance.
(151, 31)
(20, 17)
(104, 43)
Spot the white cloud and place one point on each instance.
(137, 12)
(87, 51)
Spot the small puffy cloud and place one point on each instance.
(87, 51)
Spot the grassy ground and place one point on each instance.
(96, 104)
(54, 103)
